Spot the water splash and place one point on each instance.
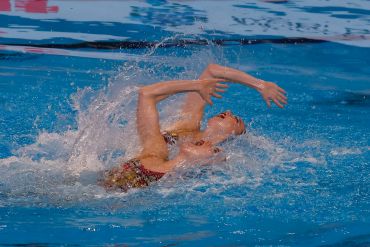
(62, 168)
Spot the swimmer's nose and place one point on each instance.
(199, 143)
(207, 143)
(202, 142)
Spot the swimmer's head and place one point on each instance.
(225, 124)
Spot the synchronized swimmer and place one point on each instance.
(196, 146)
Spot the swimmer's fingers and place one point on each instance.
(277, 103)
(221, 85)
(281, 99)
(208, 87)
(213, 81)
(281, 90)
(208, 100)
(282, 95)
(216, 95)
(277, 91)
(268, 102)
(220, 90)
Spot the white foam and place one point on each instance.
(345, 151)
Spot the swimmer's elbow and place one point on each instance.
(213, 68)
(151, 92)
(145, 92)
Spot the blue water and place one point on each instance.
(300, 177)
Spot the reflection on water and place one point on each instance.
(71, 21)
(170, 14)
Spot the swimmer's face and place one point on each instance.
(227, 123)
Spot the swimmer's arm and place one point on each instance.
(193, 107)
(147, 115)
(234, 75)
(204, 88)
(268, 90)
(192, 110)
(165, 166)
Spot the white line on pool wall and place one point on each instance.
(73, 53)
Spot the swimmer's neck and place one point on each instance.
(210, 135)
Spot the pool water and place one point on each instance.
(299, 177)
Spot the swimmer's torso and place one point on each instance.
(138, 172)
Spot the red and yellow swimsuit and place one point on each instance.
(132, 174)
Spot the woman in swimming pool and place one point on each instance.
(196, 146)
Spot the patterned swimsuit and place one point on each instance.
(132, 174)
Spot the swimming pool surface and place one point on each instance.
(69, 71)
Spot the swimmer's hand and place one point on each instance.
(270, 91)
(208, 88)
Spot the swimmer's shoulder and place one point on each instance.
(175, 136)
